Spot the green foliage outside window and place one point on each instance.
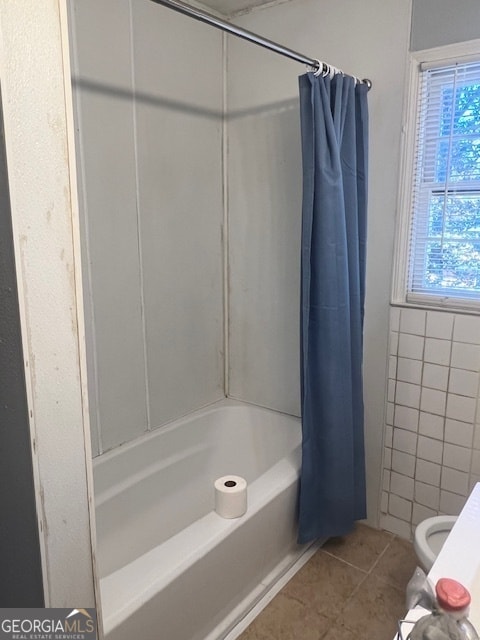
(452, 256)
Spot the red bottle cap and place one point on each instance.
(451, 595)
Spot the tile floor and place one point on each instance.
(353, 588)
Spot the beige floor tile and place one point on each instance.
(287, 619)
(397, 564)
(361, 547)
(324, 584)
(339, 632)
(374, 610)
(329, 599)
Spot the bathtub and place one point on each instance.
(170, 567)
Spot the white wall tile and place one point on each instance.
(432, 467)
(384, 502)
(399, 507)
(475, 468)
(476, 436)
(408, 394)
(386, 480)
(457, 457)
(403, 463)
(412, 321)
(464, 383)
(409, 370)
(390, 412)
(431, 425)
(439, 325)
(388, 436)
(392, 367)
(437, 351)
(394, 319)
(404, 441)
(410, 346)
(391, 390)
(460, 433)
(430, 449)
(467, 329)
(396, 526)
(454, 481)
(393, 343)
(451, 503)
(465, 356)
(402, 486)
(435, 376)
(427, 472)
(420, 513)
(406, 418)
(460, 408)
(472, 482)
(387, 458)
(427, 494)
(433, 401)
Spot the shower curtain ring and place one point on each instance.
(318, 68)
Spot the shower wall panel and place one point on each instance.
(178, 76)
(265, 182)
(148, 93)
(103, 88)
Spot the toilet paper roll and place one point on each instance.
(230, 496)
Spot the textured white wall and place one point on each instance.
(38, 131)
(149, 112)
(265, 194)
(439, 22)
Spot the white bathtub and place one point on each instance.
(170, 567)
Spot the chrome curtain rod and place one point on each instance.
(316, 65)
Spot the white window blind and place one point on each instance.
(444, 246)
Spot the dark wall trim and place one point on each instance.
(20, 561)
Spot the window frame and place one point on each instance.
(439, 56)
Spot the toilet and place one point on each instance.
(429, 538)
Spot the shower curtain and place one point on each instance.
(334, 124)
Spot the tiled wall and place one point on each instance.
(432, 431)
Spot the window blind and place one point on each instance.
(444, 247)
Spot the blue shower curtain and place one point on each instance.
(334, 123)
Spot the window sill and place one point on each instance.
(434, 303)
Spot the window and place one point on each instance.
(442, 238)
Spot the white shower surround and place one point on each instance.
(171, 230)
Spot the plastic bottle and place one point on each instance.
(449, 620)
(454, 599)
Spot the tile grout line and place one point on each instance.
(366, 573)
(383, 579)
(357, 588)
(381, 555)
(369, 572)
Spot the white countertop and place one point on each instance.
(459, 559)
